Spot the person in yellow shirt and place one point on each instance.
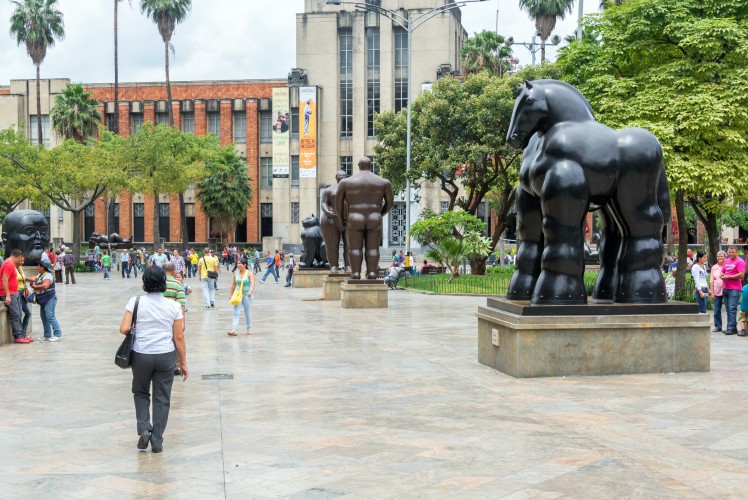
(208, 268)
(23, 292)
(192, 268)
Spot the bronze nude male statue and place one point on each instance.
(369, 198)
(329, 225)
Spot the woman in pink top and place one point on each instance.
(715, 291)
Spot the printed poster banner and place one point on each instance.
(281, 124)
(308, 134)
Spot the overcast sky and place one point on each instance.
(220, 40)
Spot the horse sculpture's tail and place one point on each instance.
(663, 195)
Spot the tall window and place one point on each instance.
(89, 222)
(163, 221)
(294, 212)
(346, 163)
(346, 83)
(443, 206)
(240, 127)
(35, 130)
(266, 127)
(188, 122)
(401, 69)
(266, 172)
(214, 123)
(162, 118)
(294, 170)
(110, 123)
(138, 221)
(115, 219)
(372, 79)
(266, 219)
(295, 123)
(136, 123)
(189, 214)
(374, 166)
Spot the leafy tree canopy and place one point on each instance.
(75, 114)
(486, 51)
(15, 152)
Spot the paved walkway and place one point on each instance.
(377, 404)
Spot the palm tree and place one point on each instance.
(166, 14)
(75, 115)
(37, 23)
(486, 50)
(545, 13)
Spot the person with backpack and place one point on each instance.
(289, 269)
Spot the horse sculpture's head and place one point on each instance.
(530, 109)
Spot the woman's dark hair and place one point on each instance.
(243, 261)
(154, 280)
(700, 255)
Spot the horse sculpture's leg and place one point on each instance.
(610, 244)
(639, 276)
(530, 236)
(564, 203)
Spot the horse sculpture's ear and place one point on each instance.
(528, 85)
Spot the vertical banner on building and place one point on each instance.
(281, 123)
(308, 135)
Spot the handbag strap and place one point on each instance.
(134, 314)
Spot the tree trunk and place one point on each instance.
(542, 50)
(77, 234)
(680, 274)
(156, 231)
(711, 224)
(478, 264)
(39, 106)
(183, 222)
(168, 83)
(116, 71)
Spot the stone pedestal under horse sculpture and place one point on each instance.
(571, 165)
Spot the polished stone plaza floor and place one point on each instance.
(332, 403)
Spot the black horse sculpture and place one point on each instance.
(571, 165)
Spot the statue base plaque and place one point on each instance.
(331, 285)
(363, 294)
(309, 277)
(616, 339)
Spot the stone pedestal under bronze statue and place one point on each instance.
(331, 285)
(309, 277)
(363, 294)
(524, 340)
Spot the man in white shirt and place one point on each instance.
(158, 258)
(124, 260)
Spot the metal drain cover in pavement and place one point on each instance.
(218, 376)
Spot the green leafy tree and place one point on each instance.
(545, 13)
(75, 114)
(486, 51)
(167, 160)
(15, 152)
(459, 142)
(677, 69)
(225, 192)
(37, 24)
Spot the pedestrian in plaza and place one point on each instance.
(277, 262)
(215, 282)
(69, 262)
(159, 331)
(246, 280)
(58, 266)
(743, 316)
(124, 260)
(114, 259)
(106, 263)
(269, 265)
(178, 261)
(715, 291)
(290, 269)
(192, 270)
(158, 258)
(134, 264)
(257, 267)
(208, 264)
(732, 278)
(10, 295)
(23, 293)
(701, 288)
(174, 291)
(46, 298)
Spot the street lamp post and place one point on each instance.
(533, 46)
(409, 25)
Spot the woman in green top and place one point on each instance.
(106, 263)
(246, 280)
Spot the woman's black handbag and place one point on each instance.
(124, 354)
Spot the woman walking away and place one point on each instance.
(701, 289)
(44, 289)
(158, 330)
(715, 290)
(245, 280)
